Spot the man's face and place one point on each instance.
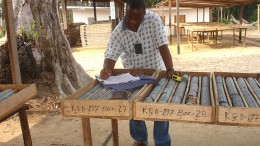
(134, 18)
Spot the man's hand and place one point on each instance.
(105, 73)
(171, 72)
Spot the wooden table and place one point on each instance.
(197, 31)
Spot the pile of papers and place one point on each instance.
(125, 81)
(119, 79)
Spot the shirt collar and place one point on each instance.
(124, 22)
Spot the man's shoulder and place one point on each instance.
(151, 15)
(119, 27)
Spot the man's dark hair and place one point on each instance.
(135, 4)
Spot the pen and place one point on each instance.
(107, 71)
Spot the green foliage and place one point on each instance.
(3, 31)
(70, 16)
(249, 13)
(226, 21)
(2, 13)
(30, 32)
(253, 17)
(151, 2)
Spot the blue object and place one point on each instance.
(132, 84)
(161, 136)
(6, 94)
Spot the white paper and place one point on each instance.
(119, 79)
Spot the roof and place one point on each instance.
(208, 3)
(197, 3)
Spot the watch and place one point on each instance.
(170, 69)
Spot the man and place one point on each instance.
(142, 43)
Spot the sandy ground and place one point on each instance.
(52, 129)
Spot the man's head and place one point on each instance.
(135, 11)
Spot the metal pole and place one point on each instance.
(241, 20)
(95, 10)
(258, 18)
(178, 27)
(203, 14)
(170, 20)
(197, 15)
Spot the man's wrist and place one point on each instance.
(170, 69)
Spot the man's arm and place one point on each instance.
(167, 59)
(166, 56)
(108, 65)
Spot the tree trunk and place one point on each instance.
(69, 75)
(56, 57)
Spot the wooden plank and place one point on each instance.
(16, 87)
(86, 131)
(199, 90)
(114, 123)
(242, 75)
(12, 46)
(12, 103)
(96, 108)
(173, 112)
(213, 102)
(239, 116)
(25, 126)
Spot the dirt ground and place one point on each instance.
(49, 128)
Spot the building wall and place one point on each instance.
(81, 15)
(190, 16)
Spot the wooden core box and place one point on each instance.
(23, 92)
(231, 115)
(176, 112)
(111, 108)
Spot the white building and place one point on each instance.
(81, 14)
